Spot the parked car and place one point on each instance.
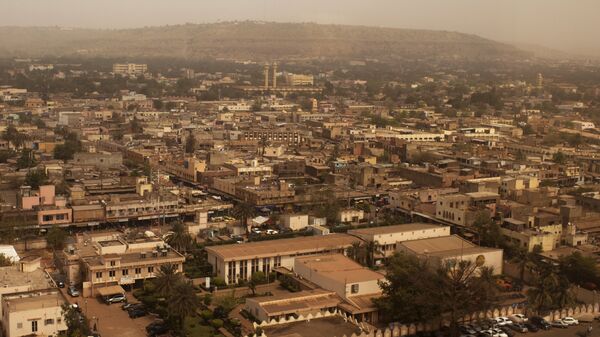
(560, 324)
(60, 284)
(508, 331)
(501, 321)
(570, 321)
(540, 323)
(518, 327)
(531, 327)
(73, 292)
(131, 306)
(467, 330)
(135, 313)
(119, 298)
(518, 318)
(157, 328)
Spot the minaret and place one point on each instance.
(266, 75)
(274, 75)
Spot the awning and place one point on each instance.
(111, 290)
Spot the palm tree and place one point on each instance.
(180, 239)
(243, 211)
(371, 248)
(167, 279)
(355, 251)
(541, 297)
(182, 303)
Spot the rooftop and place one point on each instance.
(290, 246)
(339, 268)
(443, 246)
(394, 229)
(11, 277)
(34, 301)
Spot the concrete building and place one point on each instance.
(462, 208)
(355, 284)
(105, 259)
(443, 249)
(36, 313)
(130, 69)
(351, 215)
(237, 262)
(100, 160)
(299, 79)
(387, 238)
(294, 222)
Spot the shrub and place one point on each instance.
(207, 300)
(207, 315)
(217, 323)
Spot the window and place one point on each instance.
(99, 274)
(34, 326)
(138, 271)
(125, 272)
(60, 216)
(19, 325)
(49, 321)
(113, 263)
(47, 217)
(354, 288)
(111, 273)
(151, 269)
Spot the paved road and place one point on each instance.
(112, 321)
(569, 332)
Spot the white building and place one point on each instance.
(294, 222)
(36, 313)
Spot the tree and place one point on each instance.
(559, 158)
(256, 279)
(26, 160)
(5, 261)
(76, 326)
(182, 302)
(459, 287)
(13, 136)
(180, 239)
(35, 178)
(243, 211)
(550, 291)
(5, 155)
(190, 143)
(56, 237)
(488, 230)
(166, 280)
(581, 270)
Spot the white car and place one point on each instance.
(570, 321)
(271, 231)
(502, 321)
(518, 318)
(494, 333)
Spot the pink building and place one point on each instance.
(28, 199)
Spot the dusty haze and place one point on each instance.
(569, 26)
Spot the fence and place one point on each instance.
(400, 330)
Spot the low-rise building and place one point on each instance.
(36, 313)
(387, 238)
(444, 249)
(236, 262)
(294, 222)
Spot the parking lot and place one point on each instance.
(569, 332)
(110, 319)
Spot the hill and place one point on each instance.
(249, 40)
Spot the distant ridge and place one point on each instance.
(249, 40)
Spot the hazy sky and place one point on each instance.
(570, 25)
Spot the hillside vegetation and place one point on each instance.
(248, 40)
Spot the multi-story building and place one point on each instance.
(130, 69)
(36, 313)
(237, 262)
(278, 135)
(463, 208)
(299, 79)
(105, 259)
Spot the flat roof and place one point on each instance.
(298, 302)
(11, 277)
(451, 245)
(410, 227)
(34, 302)
(339, 268)
(299, 245)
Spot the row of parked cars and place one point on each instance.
(507, 326)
